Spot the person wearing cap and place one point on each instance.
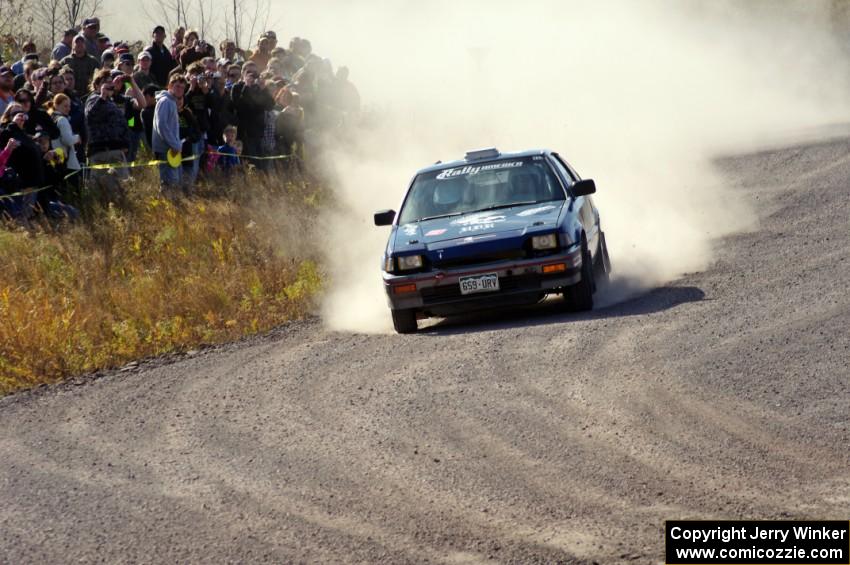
(103, 43)
(28, 49)
(161, 60)
(91, 28)
(63, 48)
(82, 64)
(142, 74)
(129, 93)
(7, 86)
(166, 135)
(125, 63)
(272, 37)
(107, 59)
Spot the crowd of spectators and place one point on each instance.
(82, 120)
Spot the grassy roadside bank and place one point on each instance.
(152, 276)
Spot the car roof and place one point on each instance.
(502, 156)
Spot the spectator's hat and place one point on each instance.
(115, 73)
(31, 57)
(70, 32)
(6, 71)
(121, 49)
(158, 29)
(223, 61)
(126, 58)
(270, 35)
(108, 54)
(40, 134)
(91, 22)
(145, 55)
(79, 37)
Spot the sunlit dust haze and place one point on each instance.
(640, 96)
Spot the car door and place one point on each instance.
(587, 214)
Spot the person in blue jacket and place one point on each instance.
(166, 134)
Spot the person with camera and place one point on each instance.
(108, 132)
(195, 49)
(133, 105)
(252, 100)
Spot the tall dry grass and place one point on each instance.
(152, 276)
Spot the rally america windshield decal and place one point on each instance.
(470, 170)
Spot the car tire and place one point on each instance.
(603, 263)
(404, 321)
(579, 297)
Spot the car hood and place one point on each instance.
(506, 223)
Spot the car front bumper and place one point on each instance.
(520, 281)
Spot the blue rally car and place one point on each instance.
(493, 229)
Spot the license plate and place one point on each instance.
(479, 283)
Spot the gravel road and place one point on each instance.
(536, 437)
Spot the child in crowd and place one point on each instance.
(231, 150)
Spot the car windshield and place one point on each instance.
(481, 186)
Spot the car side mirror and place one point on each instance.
(584, 187)
(384, 218)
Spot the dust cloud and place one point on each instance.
(640, 96)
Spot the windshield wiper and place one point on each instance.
(500, 206)
(441, 216)
(487, 209)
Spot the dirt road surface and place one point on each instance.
(536, 437)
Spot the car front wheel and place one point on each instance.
(579, 297)
(404, 321)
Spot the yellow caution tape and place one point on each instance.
(28, 191)
(250, 157)
(173, 159)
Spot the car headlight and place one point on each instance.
(549, 241)
(409, 262)
(389, 264)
